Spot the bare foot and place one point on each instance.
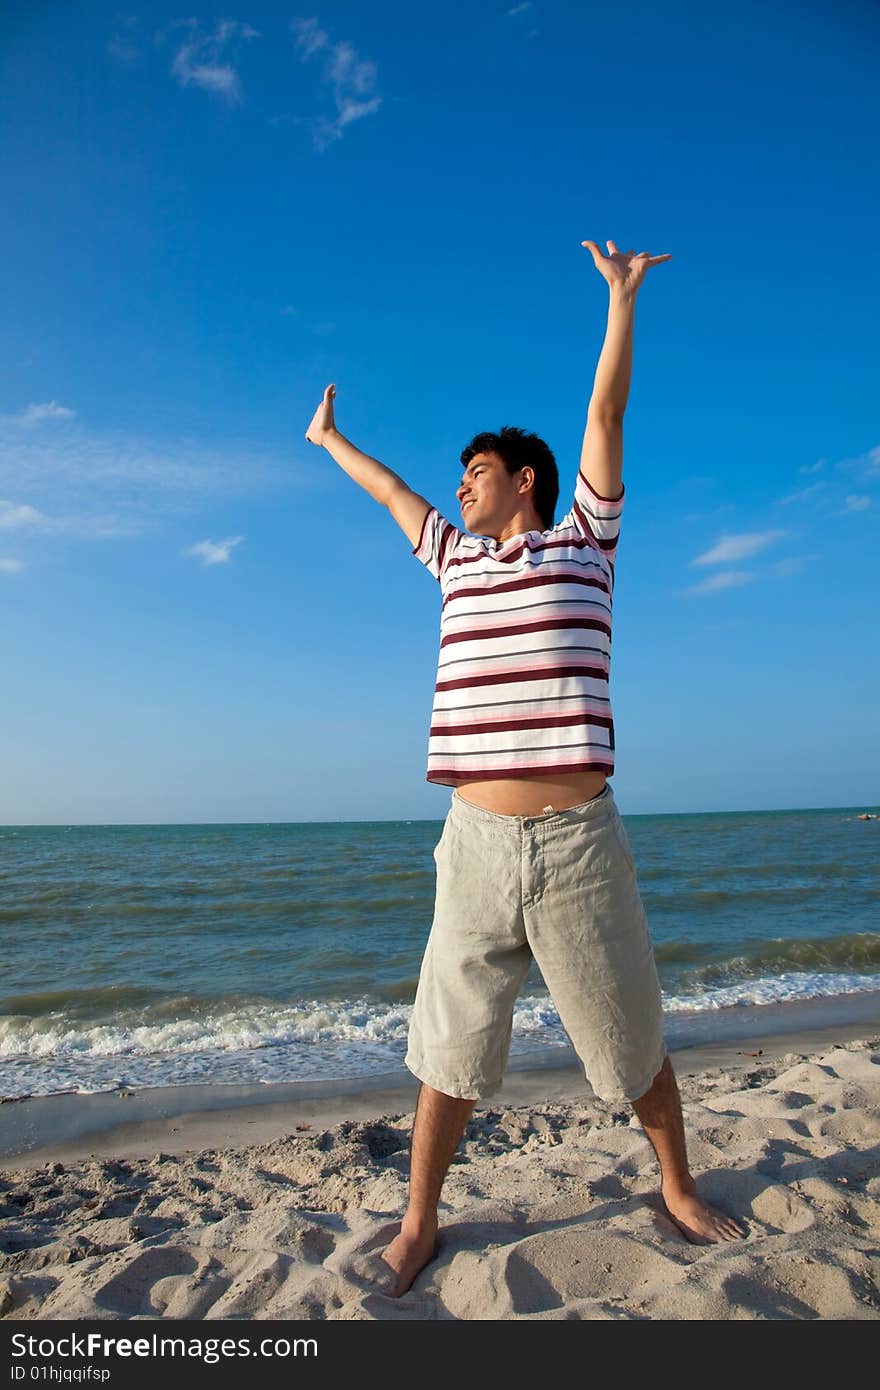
(696, 1219)
(409, 1252)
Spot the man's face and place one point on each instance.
(487, 495)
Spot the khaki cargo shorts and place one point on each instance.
(560, 887)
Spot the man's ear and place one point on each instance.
(528, 479)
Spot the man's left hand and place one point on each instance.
(624, 270)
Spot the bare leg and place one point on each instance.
(438, 1125)
(659, 1111)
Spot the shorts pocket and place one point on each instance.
(440, 843)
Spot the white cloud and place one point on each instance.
(521, 14)
(200, 61)
(72, 482)
(802, 493)
(863, 468)
(12, 515)
(136, 473)
(214, 552)
(48, 410)
(724, 579)
(309, 36)
(22, 516)
(737, 547)
(351, 79)
(11, 566)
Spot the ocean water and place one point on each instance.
(155, 955)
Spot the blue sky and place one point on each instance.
(207, 219)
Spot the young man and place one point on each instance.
(534, 860)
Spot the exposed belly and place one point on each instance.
(529, 796)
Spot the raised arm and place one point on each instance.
(602, 451)
(407, 507)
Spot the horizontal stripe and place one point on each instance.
(531, 703)
(451, 776)
(484, 610)
(543, 721)
(553, 649)
(586, 707)
(571, 545)
(540, 748)
(535, 674)
(569, 624)
(487, 592)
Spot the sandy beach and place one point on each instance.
(551, 1208)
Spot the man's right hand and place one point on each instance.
(322, 420)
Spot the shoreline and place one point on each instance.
(176, 1120)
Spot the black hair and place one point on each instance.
(517, 450)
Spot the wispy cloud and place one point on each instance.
(35, 414)
(872, 459)
(14, 515)
(202, 61)
(214, 552)
(863, 467)
(727, 551)
(792, 564)
(707, 516)
(523, 13)
(350, 78)
(310, 37)
(731, 548)
(737, 547)
(70, 461)
(124, 43)
(70, 481)
(860, 470)
(21, 516)
(11, 566)
(724, 579)
(802, 492)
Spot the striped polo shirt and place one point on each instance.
(525, 645)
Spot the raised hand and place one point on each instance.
(624, 270)
(322, 420)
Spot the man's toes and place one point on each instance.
(703, 1224)
(406, 1264)
(386, 1278)
(727, 1228)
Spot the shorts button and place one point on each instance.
(527, 825)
